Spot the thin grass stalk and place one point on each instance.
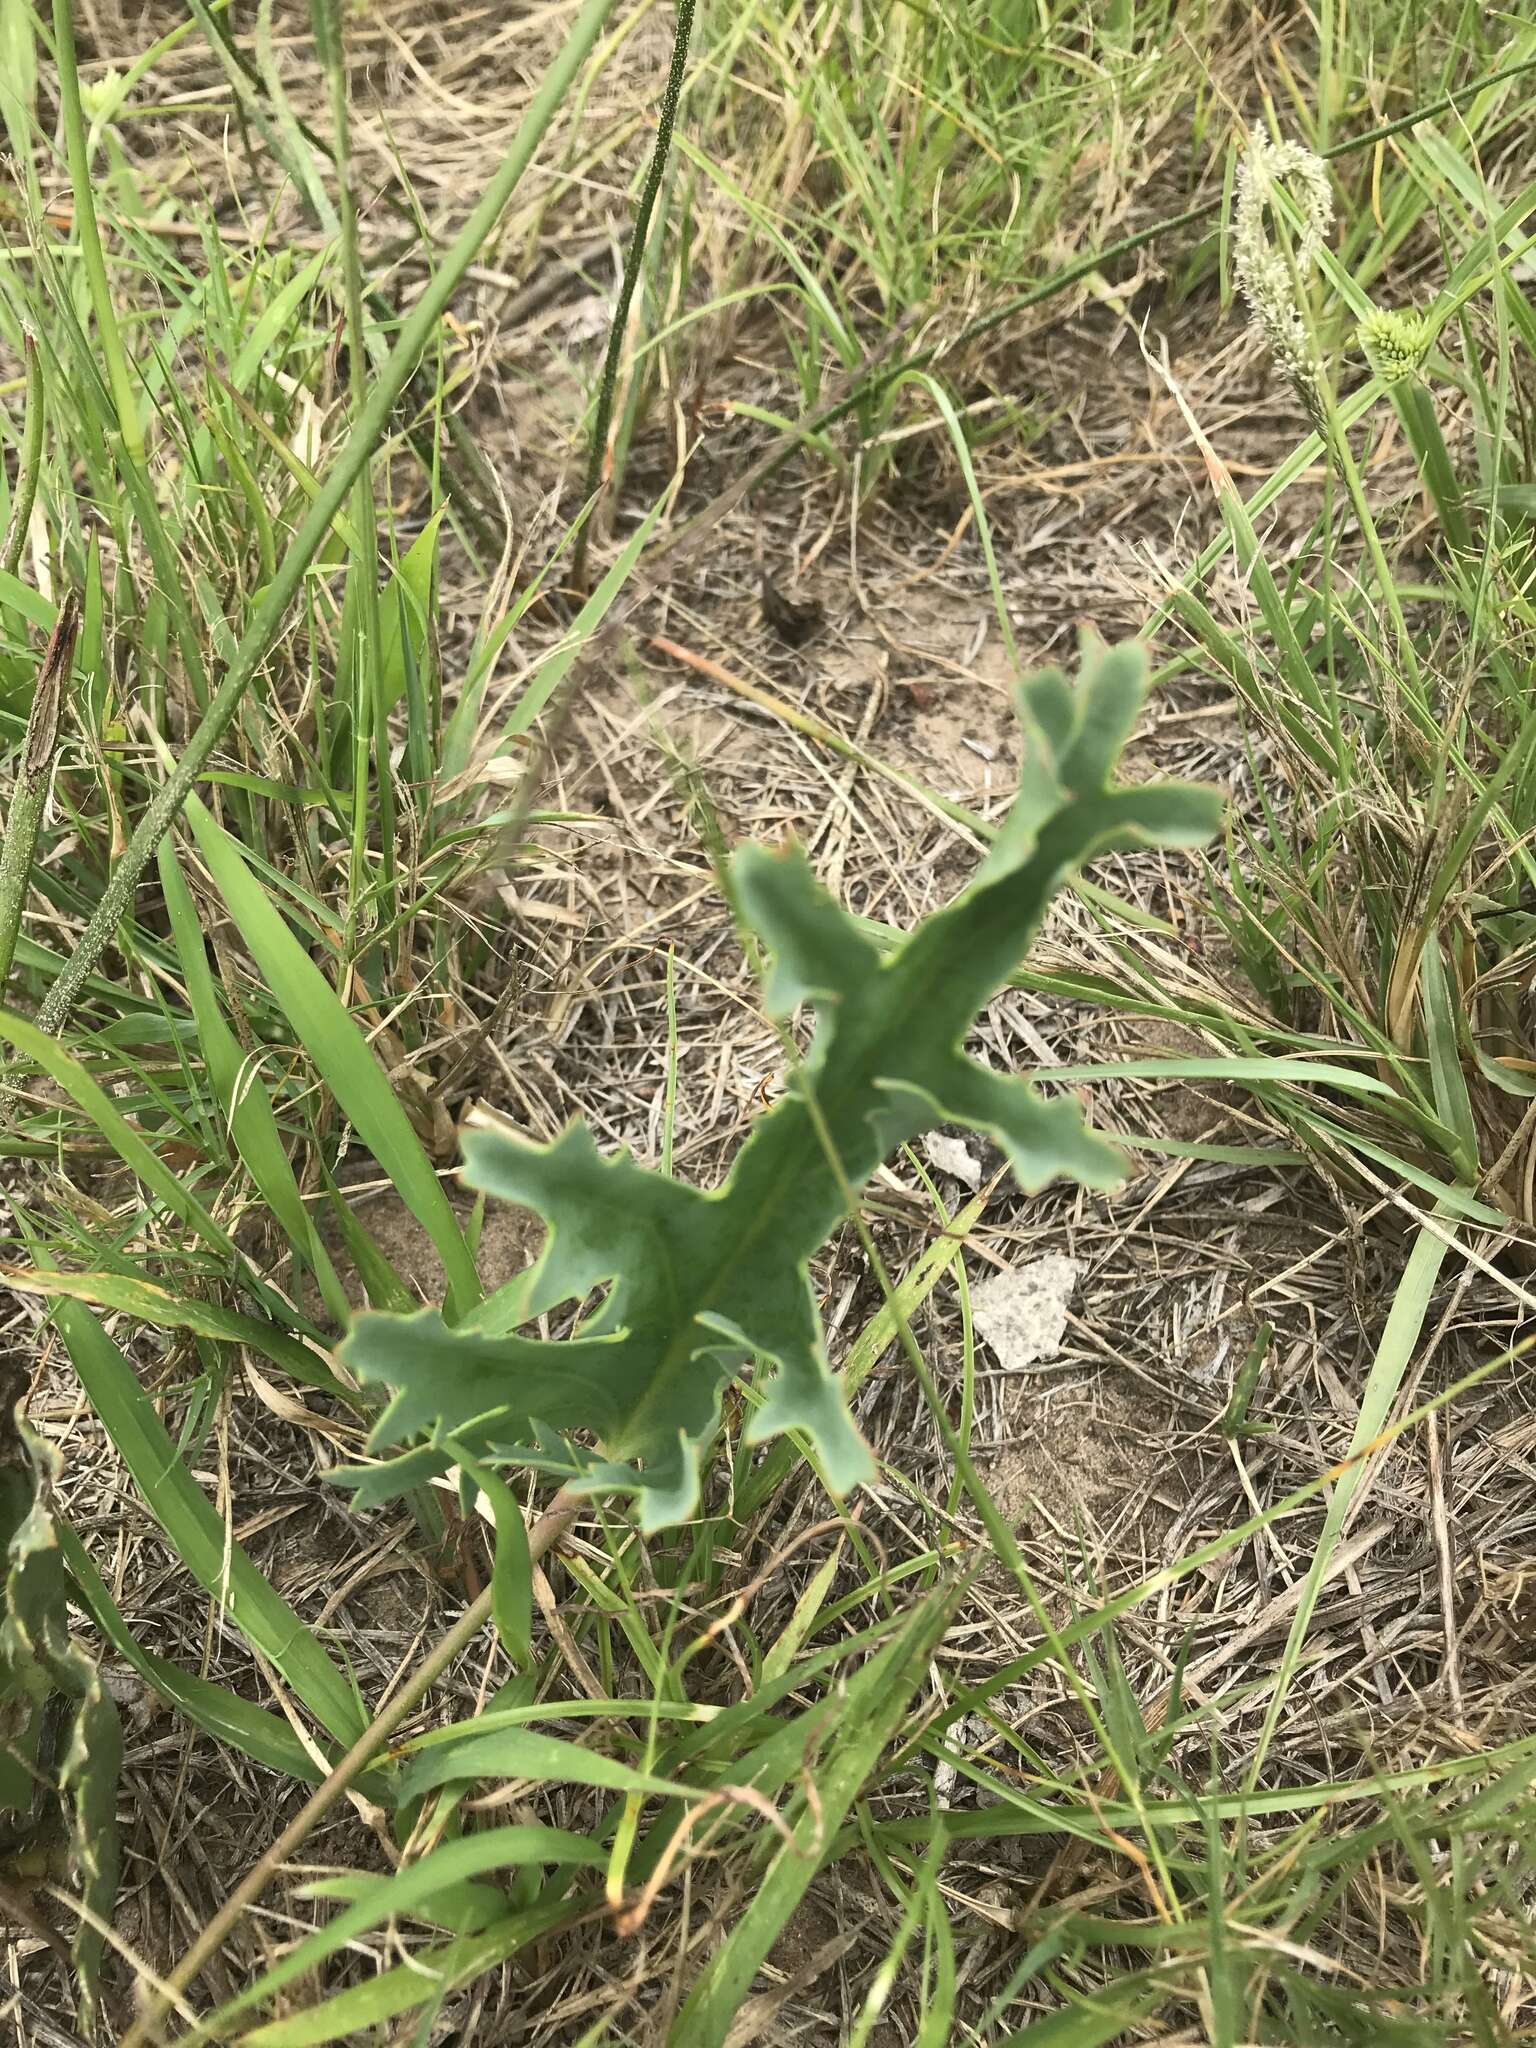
(108, 335)
(633, 263)
(30, 465)
(1349, 470)
(388, 383)
(129, 455)
(370, 731)
(33, 775)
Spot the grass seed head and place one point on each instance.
(1271, 275)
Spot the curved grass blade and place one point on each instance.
(410, 1891)
(265, 1738)
(243, 1100)
(341, 1054)
(198, 1533)
(154, 1305)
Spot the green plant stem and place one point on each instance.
(388, 382)
(542, 1537)
(632, 267)
(1343, 455)
(370, 729)
(30, 466)
(33, 773)
(110, 340)
(1317, 396)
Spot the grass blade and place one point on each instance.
(341, 1054)
(411, 1891)
(33, 775)
(264, 1737)
(246, 1108)
(198, 1533)
(386, 386)
(872, 1709)
(1394, 1353)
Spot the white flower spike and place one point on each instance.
(1269, 277)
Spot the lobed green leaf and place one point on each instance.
(695, 1285)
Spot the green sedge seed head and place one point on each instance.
(1395, 344)
(102, 97)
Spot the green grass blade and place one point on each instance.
(265, 1738)
(340, 1052)
(242, 1099)
(872, 1709)
(129, 1295)
(385, 389)
(1453, 1103)
(1089, 2025)
(410, 1893)
(198, 1533)
(1394, 1354)
(553, 671)
(425, 1980)
(91, 1098)
(524, 1753)
(511, 1567)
